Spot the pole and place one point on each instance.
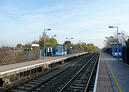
(52, 46)
(125, 47)
(69, 47)
(55, 50)
(39, 54)
(117, 46)
(66, 50)
(109, 51)
(46, 50)
(125, 52)
(112, 50)
(31, 52)
(122, 51)
(44, 46)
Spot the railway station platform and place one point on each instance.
(13, 71)
(6, 69)
(112, 76)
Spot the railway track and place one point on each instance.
(61, 79)
(81, 80)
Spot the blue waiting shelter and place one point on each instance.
(60, 50)
(114, 49)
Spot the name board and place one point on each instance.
(35, 45)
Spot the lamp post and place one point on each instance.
(117, 41)
(112, 46)
(52, 43)
(69, 43)
(44, 43)
(124, 45)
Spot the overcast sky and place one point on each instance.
(22, 21)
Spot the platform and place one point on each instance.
(112, 76)
(7, 70)
(103, 83)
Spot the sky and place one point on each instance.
(23, 21)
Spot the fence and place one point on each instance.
(8, 56)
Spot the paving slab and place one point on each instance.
(6, 70)
(120, 70)
(103, 82)
(23, 64)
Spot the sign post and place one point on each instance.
(46, 50)
(39, 51)
(31, 52)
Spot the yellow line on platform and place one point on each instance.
(114, 78)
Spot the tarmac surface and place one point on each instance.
(120, 71)
(103, 83)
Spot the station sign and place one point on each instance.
(35, 45)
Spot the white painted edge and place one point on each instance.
(96, 79)
(30, 66)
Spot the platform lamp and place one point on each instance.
(112, 40)
(44, 43)
(69, 43)
(125, 47)
(124, 44)
(117, 41)
(52, 43)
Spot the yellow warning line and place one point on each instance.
(114, 78)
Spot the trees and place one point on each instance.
(49, 41)
(81, 46)
(53, 41)
(87, 47)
